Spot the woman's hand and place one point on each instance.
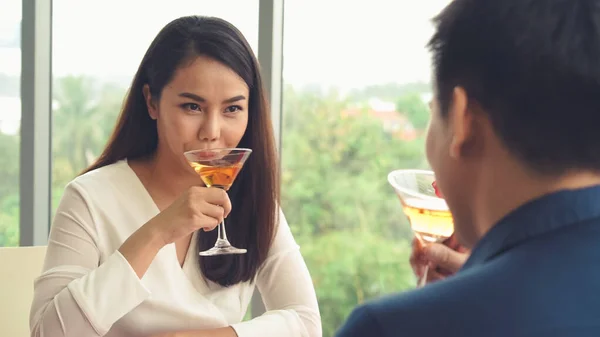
(197, 208)
(444, 259)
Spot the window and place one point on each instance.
(356, 83)
(10, 120)
(95, 56)
(354, 108)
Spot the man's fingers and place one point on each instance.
(418, 261)
(445, 257)
(433, 275)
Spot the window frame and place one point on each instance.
(35, 170)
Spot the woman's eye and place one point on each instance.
(233, 109)
(191, 106)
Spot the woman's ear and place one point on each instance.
(150, 102)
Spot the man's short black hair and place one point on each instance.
(534, 68)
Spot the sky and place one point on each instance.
(337, 43)
(328, 42)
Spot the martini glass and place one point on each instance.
(218, 168)
(423, 205)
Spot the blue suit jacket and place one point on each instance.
(535, 274)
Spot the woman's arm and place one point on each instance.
(75, 296)
(220, 332)
(287, 291)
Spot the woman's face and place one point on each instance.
(205, 106)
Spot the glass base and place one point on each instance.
(223, 247)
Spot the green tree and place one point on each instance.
(413, 107)
(340, 207)
(84, 116)
(75, 120)
(350, 267)
(9, 221)
(335, 169)
(9, 190)
(9, 169)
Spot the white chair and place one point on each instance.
(19, 266)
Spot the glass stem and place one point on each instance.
(222, 235)
(423, 280)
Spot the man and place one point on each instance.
(514, 141)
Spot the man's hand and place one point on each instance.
(444, 259)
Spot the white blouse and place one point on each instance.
(87, 288)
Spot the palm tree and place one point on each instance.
(82, 116)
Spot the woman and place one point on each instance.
(122, 257)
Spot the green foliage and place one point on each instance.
(335, 169)
(83, 118)
(9, 221)
(413, 107)
(84, 114)
(9, 190)
(340, 207)
(9, 164)
(349, 267)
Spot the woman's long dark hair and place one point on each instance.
(255, 193)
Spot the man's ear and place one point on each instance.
(151, 103)
(461, 122)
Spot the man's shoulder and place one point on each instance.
(361, 322)
(451, 307)
(413, 312)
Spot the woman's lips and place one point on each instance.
(207, 154)
(204, 154)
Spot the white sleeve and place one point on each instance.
(75, 295)
(287, 291)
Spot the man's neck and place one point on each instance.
(502, 192)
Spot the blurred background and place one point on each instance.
(354, 86)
